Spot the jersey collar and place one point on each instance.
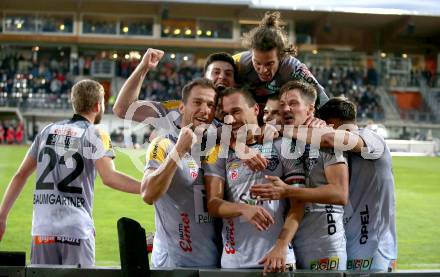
(78, 117)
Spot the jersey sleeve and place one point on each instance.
(299, 71)
(157, 152)
(293, 169)
(214, 164)
(237, 59)
(374, 145)
(33, 150)
(106, 143)
(330, 158)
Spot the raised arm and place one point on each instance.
(157, 178)
(127, 99)
(16, 185)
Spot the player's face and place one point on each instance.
(271, 112)
(200, 107)
(238, 113)
(294, 110)
(265, 63)
(100, 113)
(221, 74)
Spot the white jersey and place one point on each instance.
(243, 245)
(66, 153)
(185, 235)
(370, 215)
(319, 242)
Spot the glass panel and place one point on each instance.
(48, 23)
(247, 27)
(215, 29)
(98, 24)
(20, 23)
(178, 28)
(136, 27)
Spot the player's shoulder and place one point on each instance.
(171, 105)
(213, 154)
(243, 61)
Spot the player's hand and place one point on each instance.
(186, 140)
(275, 260)
(2, 227)
(258, 216)
(269, 133)
(251, 157)
(275, 190)
(151, 58)
(314, 122)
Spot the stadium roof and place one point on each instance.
(395, 7)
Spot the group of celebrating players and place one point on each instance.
(254, 168)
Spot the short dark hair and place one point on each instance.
(222, 57)
(338, 108)
(307, 91)
(273, 97)
(242, 91)
(269, 35)
(201, 82)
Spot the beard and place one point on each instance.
(98, 118)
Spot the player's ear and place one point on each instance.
(181, 107)
(256, 109)
(96, 107)
(311, 110)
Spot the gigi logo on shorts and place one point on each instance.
(331, 263)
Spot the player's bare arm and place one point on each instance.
(129, 92)
(275, 259)
(14, 189)
(335, 192)
(115, 179)
(157, 181)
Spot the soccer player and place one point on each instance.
(270, 63)
(250, 227)
(369, 217)
(271, 111)
(66, 155)
(319, 240)
(219, 68)
(185, 234)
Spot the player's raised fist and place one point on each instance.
(152, 57)
(186, 140)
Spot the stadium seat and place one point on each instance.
(132, 248)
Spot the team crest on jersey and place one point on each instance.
(193, 169)
(233, 171)
(234, 174)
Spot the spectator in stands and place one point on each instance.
(2, 133)
(19, 133)
(10, 135)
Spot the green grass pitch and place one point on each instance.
(417, 194)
